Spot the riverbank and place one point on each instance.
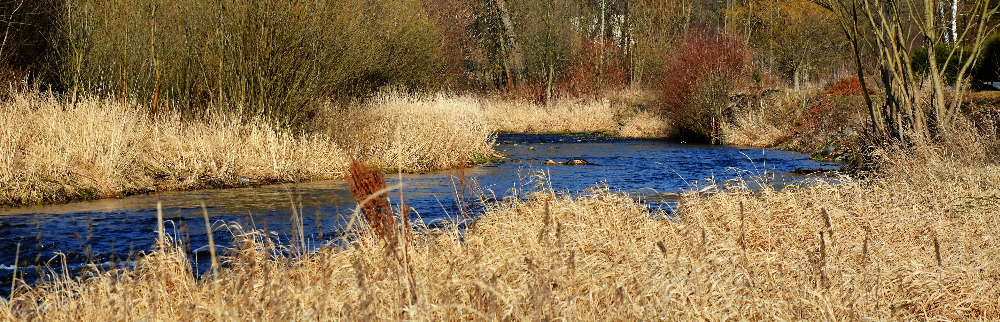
(906, 243)
(53, 151)
(828, 123)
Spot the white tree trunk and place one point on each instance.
(954, 20)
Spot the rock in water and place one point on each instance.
(578, 162)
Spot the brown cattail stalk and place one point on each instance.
(366, 181)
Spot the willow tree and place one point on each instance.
(894, 30)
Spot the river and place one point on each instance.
(110, 231)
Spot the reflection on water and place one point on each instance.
(108, 230)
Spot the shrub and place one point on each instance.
(258, 58)
(988, 67)
(699, 75)
(922, 66)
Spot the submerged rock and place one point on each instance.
(578, 162)
(570, 162)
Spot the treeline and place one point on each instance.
(278, 58)
(348, 48)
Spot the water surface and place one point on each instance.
(107, 231)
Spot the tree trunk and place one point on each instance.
(515, 71)
(795, 78)
(600, 62)
(548, 85)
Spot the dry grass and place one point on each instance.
(427, 132)
(645, 124)
(915, 243)
(52, 151)
(414, 133)
(565, 115)
(622, 113)
(763, 122)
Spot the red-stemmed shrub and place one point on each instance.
(699, 75)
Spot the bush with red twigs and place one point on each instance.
(700, 73)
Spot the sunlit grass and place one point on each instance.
(55, 151)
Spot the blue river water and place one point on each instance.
(111, 232)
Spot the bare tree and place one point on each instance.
(894, 27)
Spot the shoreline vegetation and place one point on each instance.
(56, 151)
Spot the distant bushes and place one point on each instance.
(258, 58)
(25, 38)
(700, 73)
(988, 67)
(588, 75)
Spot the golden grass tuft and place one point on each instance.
(54, 151)
(763, 122)
(645, 124)
(914, 243)
(412, 132)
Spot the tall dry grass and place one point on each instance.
(56, 151)
(916, 242)
(563, 115)
(763, 121)
(622, 113)
(53, 151)
(412, 132)
(419, 132)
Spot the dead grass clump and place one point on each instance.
(563, 115)
(624, 113)
(645, 124)
(53, 151)
(412, 132)
(369, 190)
(765, 122)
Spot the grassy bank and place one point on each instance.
(912, 243)
(621, 113)
(53, 151)
(829, 123)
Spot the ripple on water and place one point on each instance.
(652, 170)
